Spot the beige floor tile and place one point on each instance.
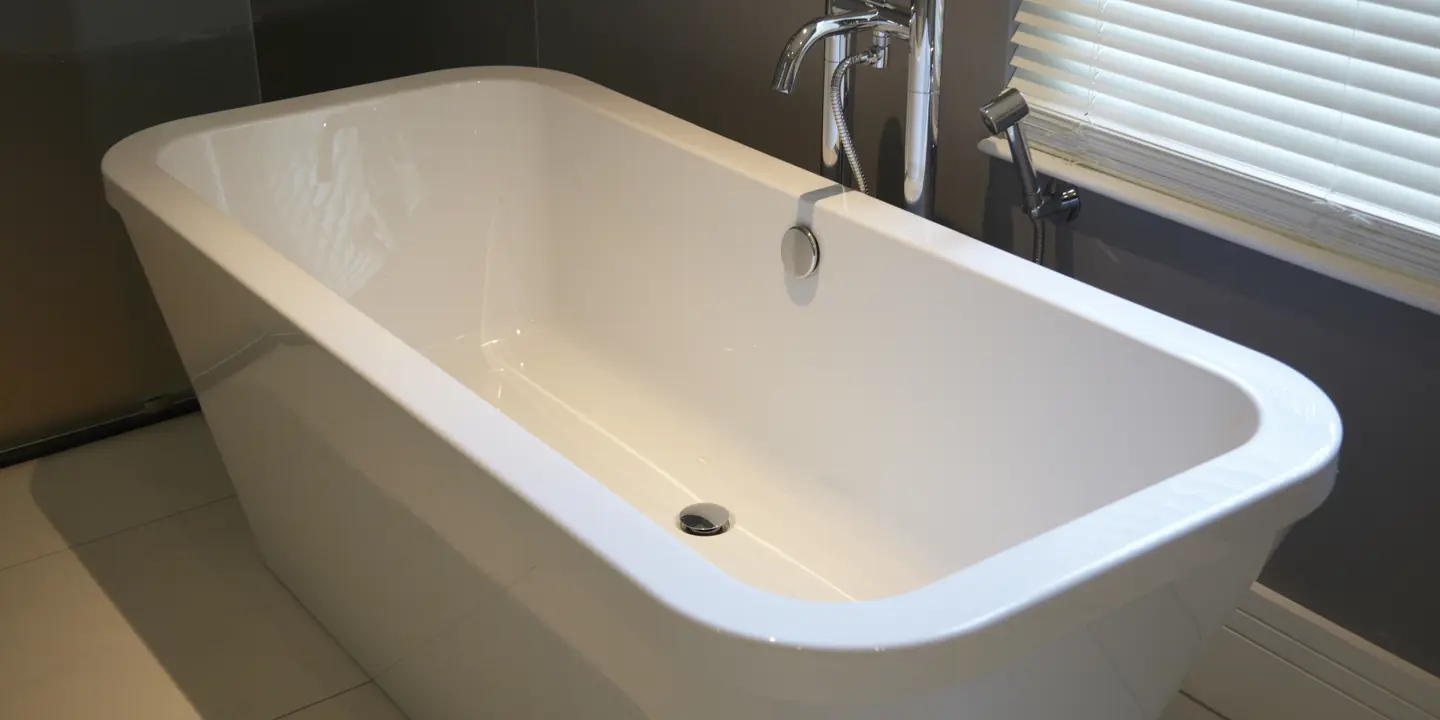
(92, 491)
(366, 702)
(178, 619)
(66, 653)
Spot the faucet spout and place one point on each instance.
(787, 69)
(921, 25)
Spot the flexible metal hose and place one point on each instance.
(1039, 244)
(837, 108)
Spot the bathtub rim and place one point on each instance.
(1281, 473)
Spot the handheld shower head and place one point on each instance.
(1004, 111)
(1002, 116)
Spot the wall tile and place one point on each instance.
(711, 64)
(84, 342)
(308, 46)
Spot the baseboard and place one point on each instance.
(154, 411)
(1275, 660)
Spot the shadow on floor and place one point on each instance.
(195, 590)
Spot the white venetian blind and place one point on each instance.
(1319, 118)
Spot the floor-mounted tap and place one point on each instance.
(1002, 117)
(920, 24)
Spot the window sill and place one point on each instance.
(1394, 285)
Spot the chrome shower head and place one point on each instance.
(1004, 111)
(1002, 116)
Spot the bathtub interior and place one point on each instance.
(620, 295)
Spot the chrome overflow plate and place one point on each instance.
(800, 252)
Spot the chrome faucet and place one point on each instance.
(920, 24)
(1002, 117)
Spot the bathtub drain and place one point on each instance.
(704, 519)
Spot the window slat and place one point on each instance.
(1310, 115)
(1419, 23)
(1280, 121)
(1229, 104)
(1139, 24)
(1302, 73)
(1419, 7)
(1198, 14)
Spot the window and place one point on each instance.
(1316, 118)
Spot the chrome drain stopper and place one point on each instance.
(704, 519)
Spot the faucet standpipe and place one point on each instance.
(921, 25)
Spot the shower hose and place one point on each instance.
(1038, 247)
(837, 108)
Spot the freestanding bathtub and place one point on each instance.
(469, 341)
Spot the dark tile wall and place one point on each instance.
(81, 341)
(711, 63)
(80, 338)
(1363, 560)
(307, 46)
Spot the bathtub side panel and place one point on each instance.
(390, 537)
(1128, 664)
(1123, 664)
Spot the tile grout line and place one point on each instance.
(107, 536)
(230, 496)
(307, 706)
(1207, 708)
(1124, 681)
(343, 650)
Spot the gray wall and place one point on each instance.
(81, 341)
(306, 46)
(1364, 560)
(80, 338)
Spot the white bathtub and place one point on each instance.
(468, 342)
